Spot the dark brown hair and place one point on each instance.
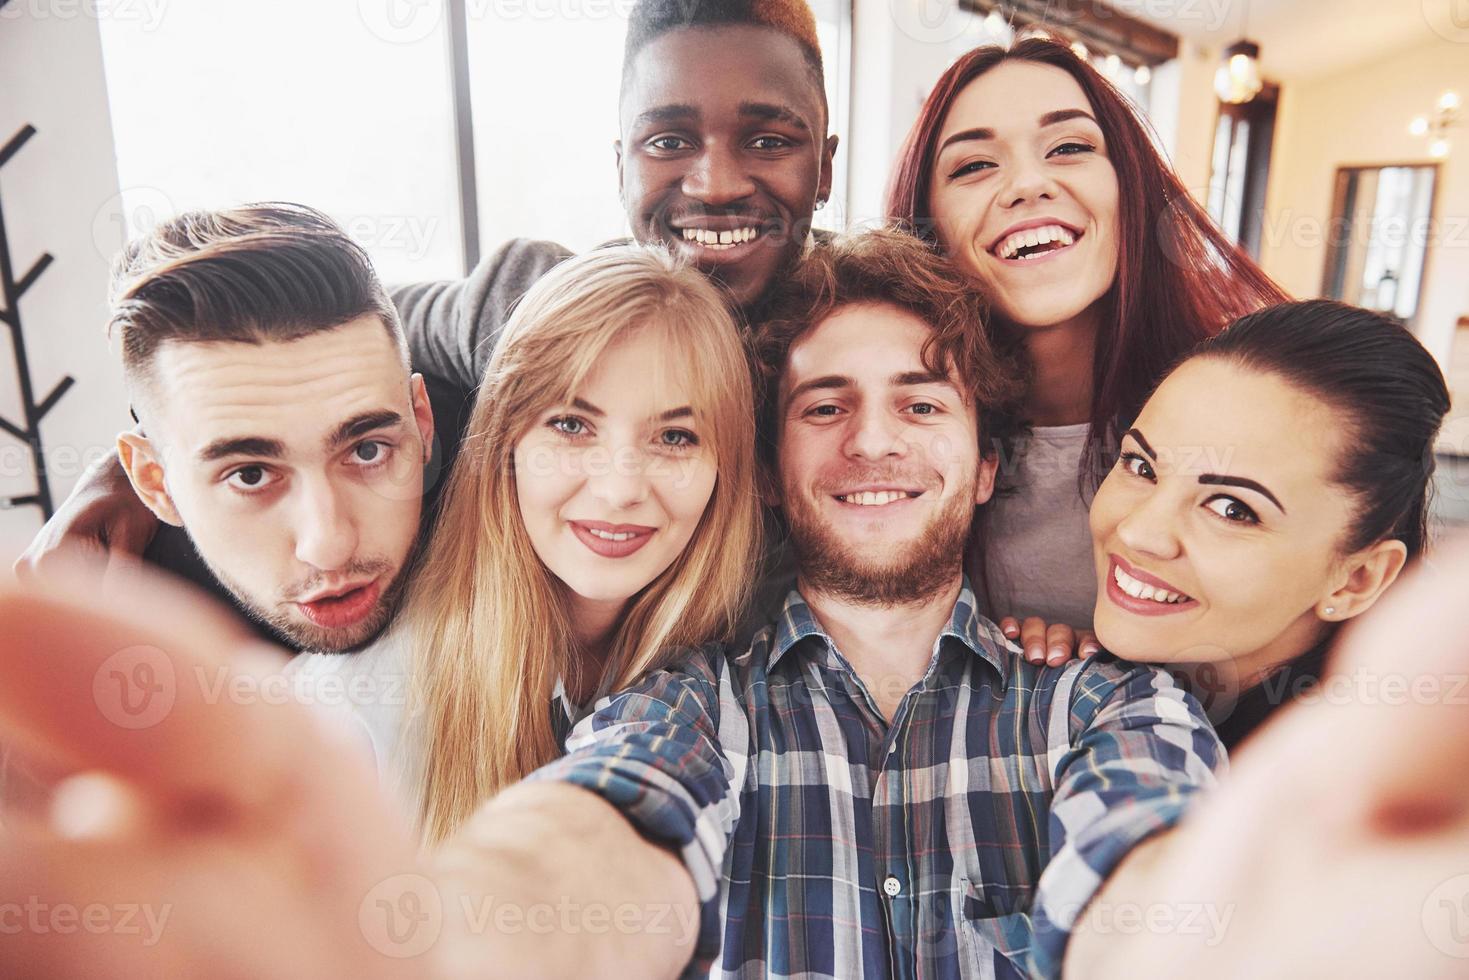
(1179, 279)
(1380, 382)
(893, 268)
(258, 272)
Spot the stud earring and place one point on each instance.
(1330, 610)
(820, 203)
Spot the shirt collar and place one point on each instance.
(796, 622)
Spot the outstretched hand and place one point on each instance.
(199, 829)
(1339, 843)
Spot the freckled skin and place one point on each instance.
(275, 530)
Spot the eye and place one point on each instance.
(770, 143)
(1072, 149)
(569, 425)
(824, 411)
(1232, 510)
(369, 453)
(678, 438)
(1137, 466)
(250, 479)
(668, 144)
(973, 166)
(924, 408)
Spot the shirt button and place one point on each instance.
(891, 886)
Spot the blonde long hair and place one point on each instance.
(490, 623)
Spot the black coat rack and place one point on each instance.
(11, 290)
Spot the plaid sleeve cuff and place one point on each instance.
(1142, 750)
(1075, 875)
(656, 753)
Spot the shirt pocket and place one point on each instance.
(992, 918)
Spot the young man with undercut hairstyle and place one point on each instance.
(723, 136)
(280, 427)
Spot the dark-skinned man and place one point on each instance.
(723, 156)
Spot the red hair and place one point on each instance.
(1179, 279)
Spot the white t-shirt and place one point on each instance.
(367, 693)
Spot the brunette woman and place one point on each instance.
(1038, 177)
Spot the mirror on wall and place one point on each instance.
(1377, 243)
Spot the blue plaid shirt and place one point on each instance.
(959, 840)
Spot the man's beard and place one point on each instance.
(922, 570)
(307, 636)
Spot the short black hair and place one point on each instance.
(651, 19)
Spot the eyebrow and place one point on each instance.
(1220, 480)
(770, 112)
(1049, 119)
(674, 112)
(1212, 479)
(682, 412)
(836, 382)
(263, 448)
(360, 425)
(1138, 438)
(242, 446)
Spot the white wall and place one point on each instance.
(1361, 116)
(59, 195)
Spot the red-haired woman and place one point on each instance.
(1036, 175)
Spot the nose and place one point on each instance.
(1028, 181)
(326, 532)
(875, 435)
(718, 177)
(620, 481)
(1152, 528)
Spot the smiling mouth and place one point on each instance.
(1149, 593)
(877, 498)
(720, 241)
(1032, 243)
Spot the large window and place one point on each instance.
(342, 106)
(544, 80)
(357, 108)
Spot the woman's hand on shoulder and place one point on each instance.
(1049, 644)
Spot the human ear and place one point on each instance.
(617, 149)
(144, 466)
(828, 154)
(984, 484)
(1366, 576)
(423, 414)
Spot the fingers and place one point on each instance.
(1048, 644)
(1407, 666)
(1391, 716)
(1033, 639)
(1089, 644)
(140, 680)
(1060, 644)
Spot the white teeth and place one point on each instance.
(709, 238)
(609, 536)
(1032, 237)
(1141, 590)
(870, 498)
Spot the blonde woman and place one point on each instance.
(602, 514)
